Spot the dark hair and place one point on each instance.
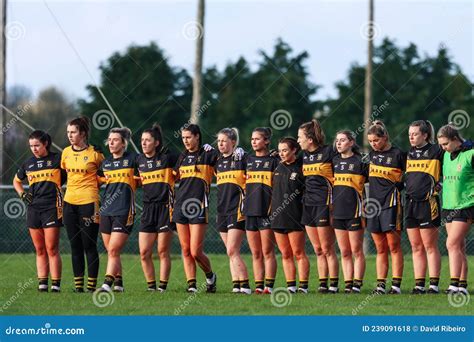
(450, 132)
(43, 138)
(125, 134)
(157, 134)
(195, 130)
(231, 133)
(351, 137)
(426, 127)
(266, 132)
(83, 124)
(292, 143)
(378, 128)
(314, 131)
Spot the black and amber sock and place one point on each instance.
(357, 283)
(334, 282)
(348, 284)
(151, 284)
(118, 280)
(56, 282)
(245, 284)
(290, 283)
(269, 282)
(192, 283)
(420, 282)
(209, 275)
(109, 280)
(397, 281)
(79, 283)
(91, 284)
(323, 282)
(236, 284)
(303, 284)
(43, 281)
(434, 281)
(463, 283)
(259, 284)
(454, 282)
(163, 284)
(381, 282)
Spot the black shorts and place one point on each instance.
(352, 224)
(316, 216)
(388, 220)
(87, 214)
(256, 223)
(422, 214)
(116, 224)
(460, 215)
(156, 218)
(224, 223)
(49, 218)
(190, 216)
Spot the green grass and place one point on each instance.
(18, 294)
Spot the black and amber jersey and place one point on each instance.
(319, 176)
(157, 178)
(287, 196)
(423, 171)
(258, 186)
(231, 176)
(45, 178)
(350, 175)
(81, 167)
(119, 195)
(385, 173)
(195, 171)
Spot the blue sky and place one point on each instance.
(62, 43)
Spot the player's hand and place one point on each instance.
(207, 147)
(238, 154)
(26, 197)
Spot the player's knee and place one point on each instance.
(186, 252)
(114, 251)
(163, 253)
(453, 245)
(357, 253)
(196, 253)
(417, 248)
(299, 253)
(269, 253)
(257, 255)
(41, 251)
(395, 248)
(346, 253)
(145, 254)
(53, 250)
